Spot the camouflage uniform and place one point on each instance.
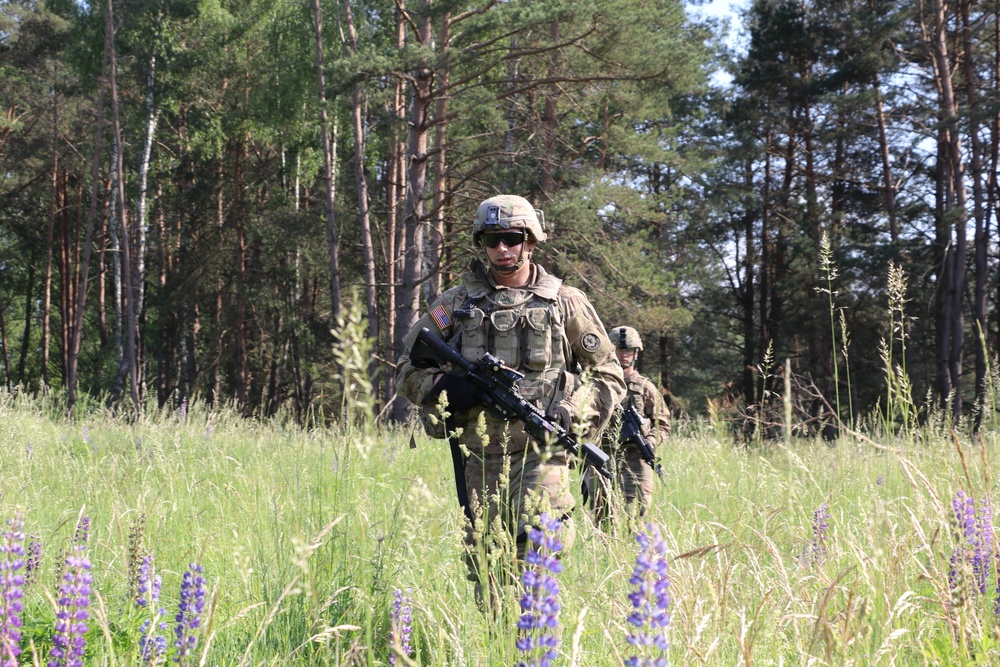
(551, 333)
(634, 477)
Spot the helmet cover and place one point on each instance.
(503, 212)
(625, 337)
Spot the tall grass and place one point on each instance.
(305, 535)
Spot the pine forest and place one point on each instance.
(198, 197)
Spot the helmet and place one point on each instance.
(504, 212)
(625, 337)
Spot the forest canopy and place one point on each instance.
(199, 198)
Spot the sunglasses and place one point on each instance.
(510, 239)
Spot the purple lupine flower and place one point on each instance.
(182, 411)
(880, 481)
(816, 550)
(402, 623)
(69, 640)
(82, 532)
(34, 563)
(152, 644)
(965, 518)
(11, 591)
(650, 601)
(148, 584)
(540, 602)
(975, 548)
(188, 618)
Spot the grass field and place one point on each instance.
(778, 554)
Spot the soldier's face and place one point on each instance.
(626, 356)
(504, 248)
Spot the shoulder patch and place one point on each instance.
(441, 318)
(590, 342)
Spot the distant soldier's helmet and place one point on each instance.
(503, 212)
(625, 337)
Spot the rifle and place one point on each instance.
(631, 433)
(500, 396)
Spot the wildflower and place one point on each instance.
(182, 412)
(540, 602)
(820, 517)
(189, 610)
(34, 562)
(402, 624)
(650, 601)
(136, 553)
(82, 532)
(69, 640)
(148, 590)
(975, 546)
(152, 644)
(11, 583)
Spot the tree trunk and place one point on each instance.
(361, 184)
(413, 272)
(888, 182)
(128, 290)
(53, 212)
(395, 187)
(152, 118)
(981, 238)
(332, 235)
(748, 295)
(992, 185)
(436, 246)
(3, 344)
(954, 218)
(550, 123)
(29, 316)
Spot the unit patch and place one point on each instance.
(591, 342)
(441, 318)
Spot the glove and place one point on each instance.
(562, 415)
(462, 394)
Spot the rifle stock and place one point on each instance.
(500, 396)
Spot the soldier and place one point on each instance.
(634, 476)
(510, 306)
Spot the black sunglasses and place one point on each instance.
(510, 239)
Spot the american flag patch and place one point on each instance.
(441, 318)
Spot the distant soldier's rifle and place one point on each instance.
(500, 396)
(631, 433)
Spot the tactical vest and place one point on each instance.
(525, 330)
(636, 394)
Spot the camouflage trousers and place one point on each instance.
(632, 486)
(507, 494)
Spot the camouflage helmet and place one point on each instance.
(504, 212)
(625, 337)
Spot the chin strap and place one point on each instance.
(504, 270)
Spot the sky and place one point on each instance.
(724, 9)
(727, 9)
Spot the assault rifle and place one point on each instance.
(500, 396)
(631, 433)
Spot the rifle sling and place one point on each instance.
(458, 463)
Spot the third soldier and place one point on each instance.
(634, 477)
